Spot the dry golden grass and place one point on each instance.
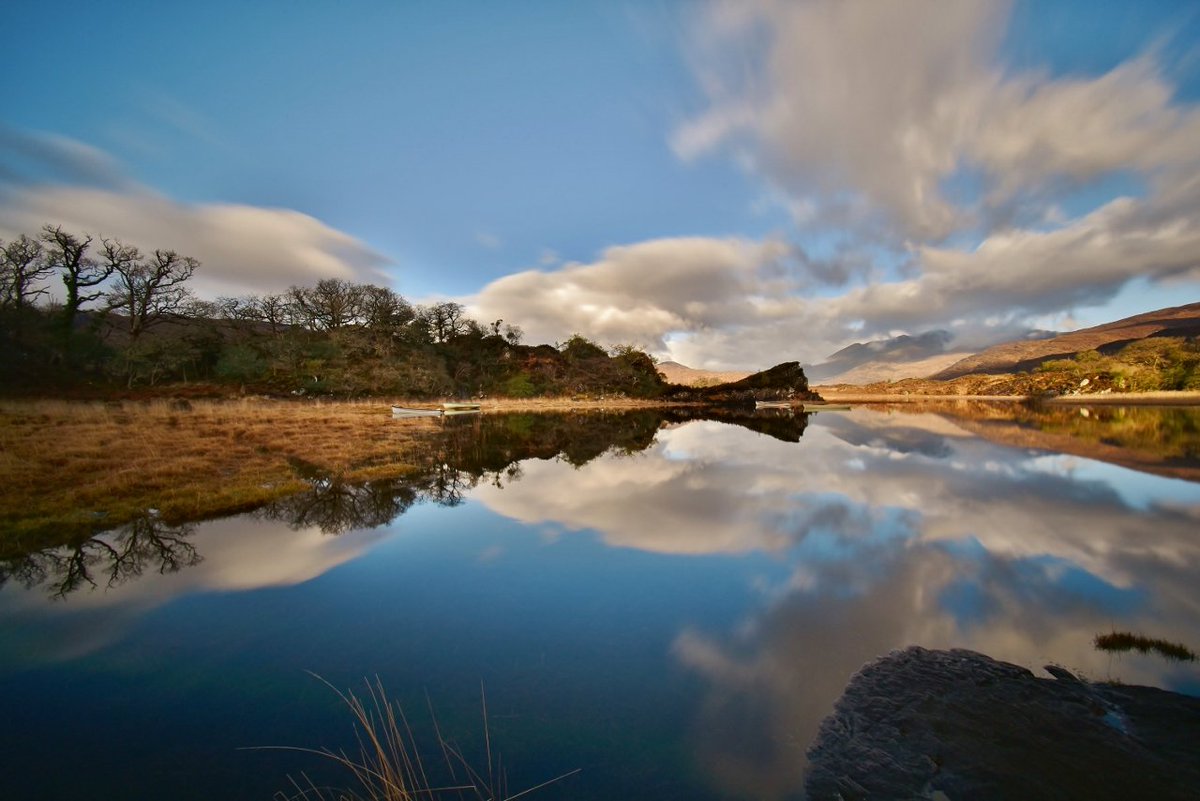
(388, 765)
(69, 468)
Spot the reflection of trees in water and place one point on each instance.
(336, 506)
(110, 559)
(467, 452)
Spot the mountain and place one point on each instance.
(872, 372)
(1024, 355)
(676, 373)
(904, 356)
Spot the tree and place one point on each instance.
(22, 268)
(330, 305)
(384, 311)
(274, 310)
(67, 253)
(446, 320)
(147, 289)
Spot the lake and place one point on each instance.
(667, 603)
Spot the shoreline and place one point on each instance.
(1179, 398)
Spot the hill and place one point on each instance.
(676, 373)
(879, 360)
(1025, 355)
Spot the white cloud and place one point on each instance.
(885, 102)
(640, 293)
(858, 115)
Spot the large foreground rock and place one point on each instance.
(920, 724)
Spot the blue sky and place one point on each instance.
(726, 185)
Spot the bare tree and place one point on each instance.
(446, 320)
(384, 311)
(273, 310)
(147, 289)
(330, 305)
(22, 268)
(67, 253)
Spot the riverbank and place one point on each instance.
(843, 394)
(72, 468)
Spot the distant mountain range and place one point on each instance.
(926, 356)
(904, 356)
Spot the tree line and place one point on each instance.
(124, 319)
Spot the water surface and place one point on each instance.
(670, 604)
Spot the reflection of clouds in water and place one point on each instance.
(239, 553)
(956, 543)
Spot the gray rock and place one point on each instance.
(920, 724)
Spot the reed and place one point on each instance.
(388, 765)
(1125, 641)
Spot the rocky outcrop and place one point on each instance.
(782, 382)
(920, 724)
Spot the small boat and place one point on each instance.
(404, 411)
(772, 404)
(445, 410)
(826, 407)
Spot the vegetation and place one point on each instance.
(127, 321)
(1125, 641)
(69, 469)
(1146, 365)
(388, 765)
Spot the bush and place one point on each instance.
(519, 386)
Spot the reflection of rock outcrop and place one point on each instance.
(782, 424)
(918, 721)
(111, 558)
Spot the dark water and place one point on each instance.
(669, 605)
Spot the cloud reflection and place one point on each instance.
(231, 555)
(894, 530)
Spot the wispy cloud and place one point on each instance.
(52, 179)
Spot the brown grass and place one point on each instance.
(70, 468)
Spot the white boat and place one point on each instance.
(826, 407)
(461, 406)
(445, 410)
(404, 411)
(772, 404)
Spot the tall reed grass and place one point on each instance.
(388, 765)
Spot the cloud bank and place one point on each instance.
(979, 197)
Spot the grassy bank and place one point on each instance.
(69, 468)
(882, 394)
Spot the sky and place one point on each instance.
(729, 185)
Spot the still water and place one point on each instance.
(670, 605)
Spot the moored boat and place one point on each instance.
(405, 411)
(444, 410)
